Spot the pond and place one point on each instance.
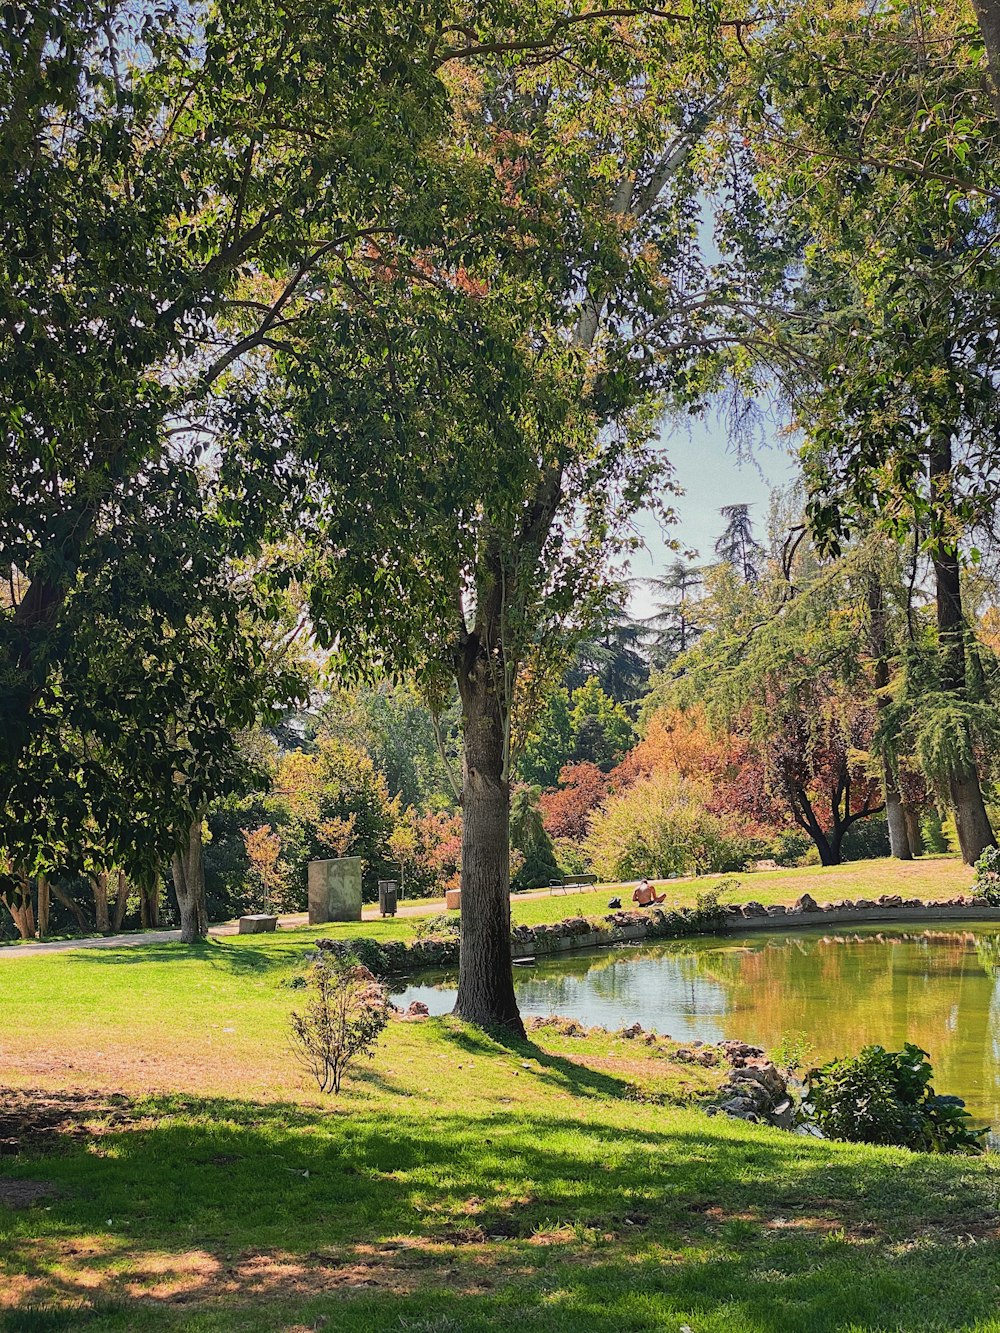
(840, 990)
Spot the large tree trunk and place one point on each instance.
(189, 885)
(486, 974)
(971, 819)
(988, 14)
(19, 905)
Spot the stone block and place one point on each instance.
(335, 890)
(257, 923)
(453, 900)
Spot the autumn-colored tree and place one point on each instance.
(266, 873)
(341, 804)
(566, 811)
(675, 741)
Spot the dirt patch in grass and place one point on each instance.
(23, 1193)
(65, 1274)
(35, 1121)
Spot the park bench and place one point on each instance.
(572, 882)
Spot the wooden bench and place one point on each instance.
(572, 882)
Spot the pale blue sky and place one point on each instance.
(707, 466)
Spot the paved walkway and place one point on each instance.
(289, 921)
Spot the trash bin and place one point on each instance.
(388, 892)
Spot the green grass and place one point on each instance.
(927, 877)
(459, 1183)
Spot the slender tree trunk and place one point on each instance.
(189, 885)
(913, 835)
(149, 903)
(44, 898)
(83, 925)
(899, 843)
(99, 885)
(121, 901)
(486, 974)
(971, 819)
(895, 816)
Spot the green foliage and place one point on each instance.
(168, 176)
(587, 726)
(601, 729)
(987, 877)
(660, 827)
(708, 902)
(793, 1052)
(441, 926)
(345, 1013)
(529, 838)
(393, 725)
(550, 741)
(886, 1097)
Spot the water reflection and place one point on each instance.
(841, 990)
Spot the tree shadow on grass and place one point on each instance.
(556, 1070)
(631, 1225)
(241, 959)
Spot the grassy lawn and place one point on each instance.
(927, 877)
(458, 1183)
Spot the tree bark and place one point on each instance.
(988, 14)
(73, 906)
(99, 884)
(21, 909)
(913, 835)
(121, 901)
(149, 903)
(899, 838)
(44, 898)
(189, 885)
(971, 819)
(486, 974)
(899, 843)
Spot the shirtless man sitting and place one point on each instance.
(644, 895)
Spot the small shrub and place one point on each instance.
(444, 926)
(345, 1014)
(886, 1097)
(793, 1051)
(708, 904)
(987, 877)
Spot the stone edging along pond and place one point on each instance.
(399, 957)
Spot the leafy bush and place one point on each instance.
(886, 1097)
(345, 1014)
(792, 1052)
(987, 877)
(708, 903)
(444, 925)
(660, 827)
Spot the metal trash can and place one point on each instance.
(388, 892)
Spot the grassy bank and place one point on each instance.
(459, 1183)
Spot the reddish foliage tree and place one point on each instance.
(566, 811)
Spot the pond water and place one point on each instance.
(840, 990)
